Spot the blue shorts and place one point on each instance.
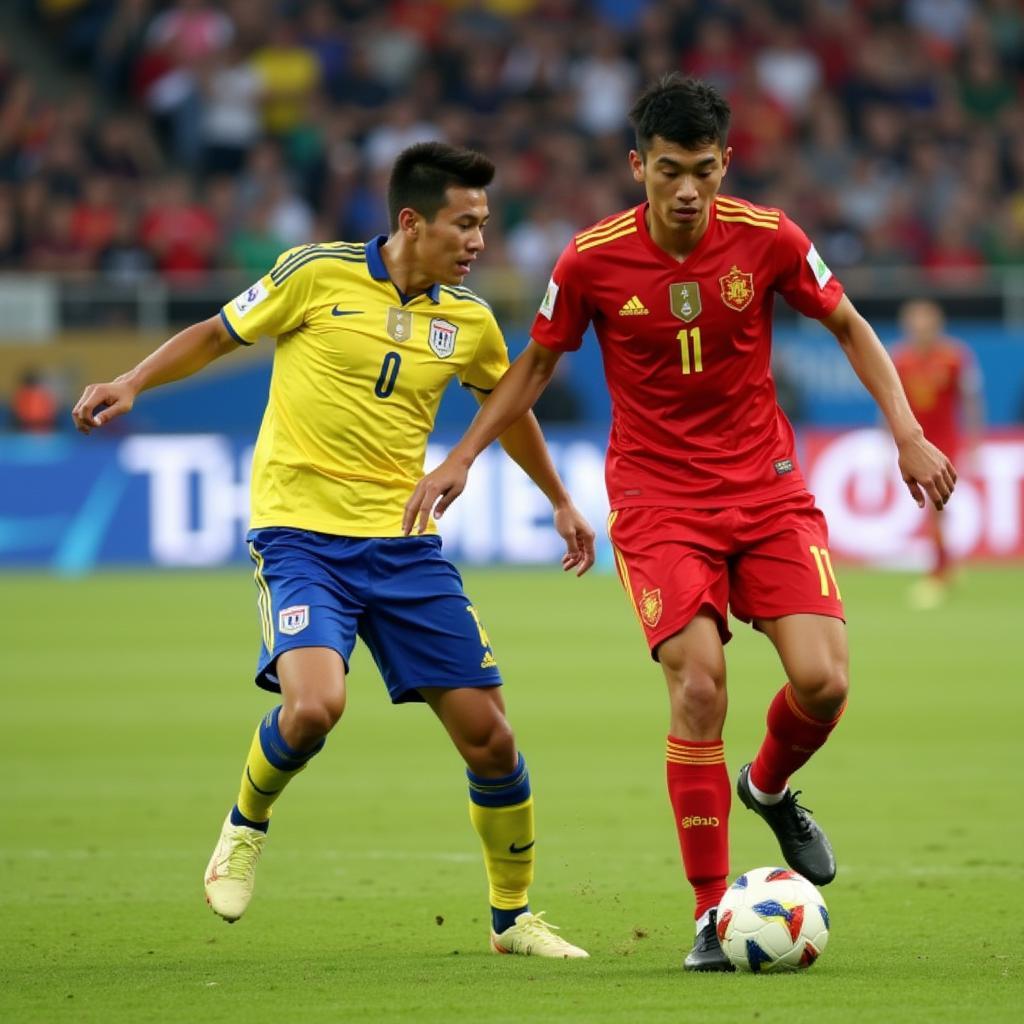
(399, 594)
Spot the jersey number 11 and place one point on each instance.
(689, 343)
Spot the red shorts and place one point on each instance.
(759, 562)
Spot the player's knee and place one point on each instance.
(492, 753)
(823, 690)
(316, 715)
(698, 694)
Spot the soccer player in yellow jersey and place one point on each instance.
(368, 336)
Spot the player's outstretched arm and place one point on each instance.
(515, 394)
(927, 472)
(178, 357)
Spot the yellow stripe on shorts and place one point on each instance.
(263, 602)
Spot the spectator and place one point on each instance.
(179, 232)
(604, 83)
(230, 98)
(255, 246)
(11, 243)
(56, 249)
(789, 70)
(177, 43)
(124, 260)
(94, 218)
(34, 406)
(289, 73)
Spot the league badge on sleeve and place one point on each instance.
(252, 297)
(441, 337)
(818, 267)
(547, 306)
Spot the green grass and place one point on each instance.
(128, 707)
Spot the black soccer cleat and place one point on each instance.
(805, 847)
(707, 953)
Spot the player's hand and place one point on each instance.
(578, 536)
(101, 403)
(927, 472)
(434, 493)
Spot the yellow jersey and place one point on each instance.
(358, 374)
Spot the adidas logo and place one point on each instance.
(488, 661)
(634, 307)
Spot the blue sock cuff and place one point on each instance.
(503, 791)
(502, 919)
(277, 751)
(238, 818)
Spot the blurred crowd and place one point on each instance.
(186, 136)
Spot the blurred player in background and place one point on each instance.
(710, 512)
(943, 384)
(368, 337)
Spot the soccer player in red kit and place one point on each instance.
(943, 385)
(709, 509)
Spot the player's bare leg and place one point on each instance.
(501, 810)
(804, 712)
(930, 591)
(313, 699)
(698, 784)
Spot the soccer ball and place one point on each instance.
(772, 919)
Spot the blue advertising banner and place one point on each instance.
(68, 504)
(71, 503)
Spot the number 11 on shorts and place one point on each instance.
(825, 573)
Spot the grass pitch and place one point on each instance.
(128, 708)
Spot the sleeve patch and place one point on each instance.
(252, 297)
(547, 306)
(819, 268)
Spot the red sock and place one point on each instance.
(792, 737)
(699, 790)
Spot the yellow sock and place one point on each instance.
(501, 811)
(506, 834)
(270, 766)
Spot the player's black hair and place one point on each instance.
(685, 111)
(423, 172)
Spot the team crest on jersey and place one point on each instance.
(293, 620)
(737, 288)
(441, 337)
(249, 298)
(399, 324)
(684, 300)
(650, 606)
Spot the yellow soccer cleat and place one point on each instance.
(231, 873)
(531, 935)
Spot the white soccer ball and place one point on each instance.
(772, 919)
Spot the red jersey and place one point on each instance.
(687, 351)
(935, 381)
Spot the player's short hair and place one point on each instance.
(685, 111)
(423, 172)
